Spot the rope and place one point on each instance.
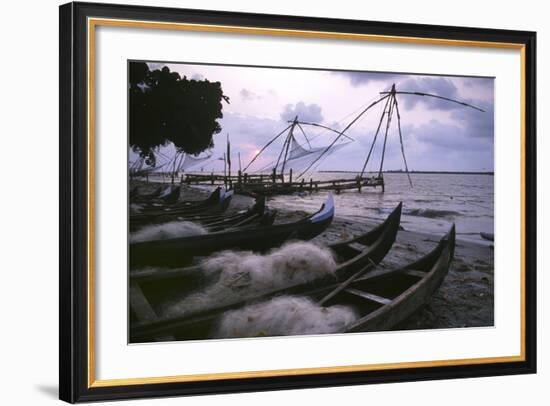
(401, 139)
(344, 130)
(375, 137)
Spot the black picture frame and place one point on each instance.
(74, 199)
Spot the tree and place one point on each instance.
(165, 107)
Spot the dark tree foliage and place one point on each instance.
(165, 107)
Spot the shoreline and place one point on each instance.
(466, 296)
(417, 172)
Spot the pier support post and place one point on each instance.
(290, 177)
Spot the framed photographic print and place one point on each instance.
(255, 202)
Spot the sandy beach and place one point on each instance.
(465, 299)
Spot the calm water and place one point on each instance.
(433, 203)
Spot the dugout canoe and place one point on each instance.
(213, 199)
(385, 299)
(139, 198)
(149, 289)
(179, 251)
(255, 216)
(210, 208)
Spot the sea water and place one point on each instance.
(431, 205)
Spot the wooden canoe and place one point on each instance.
(159, 214)
(179, 251)
(152, 288)
(255, 216)
(167, 195)
(138, 198)
(385, 299)
(212, 199)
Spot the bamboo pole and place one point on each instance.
(401, 140)
(228, 158)
(304, 133)
(289, 138)
(388, 122)
(375, 137)
(265, 146)
(342, 133)
(438, 97)
(326, 128)
(224, 170)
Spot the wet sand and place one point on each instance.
(465, 299)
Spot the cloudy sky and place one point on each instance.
(438, 135)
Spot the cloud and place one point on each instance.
(484, 83)
(477, 124)
(463, 142)
(435, 85)
(444, 87)
(305, 112)
(438, 135)
(248, 134)
(452, 147)
(443, 145)
(442, 135)
(248, 95)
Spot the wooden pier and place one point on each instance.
(275, 184)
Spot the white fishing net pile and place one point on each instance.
(245, 274)
(284, 315)
(165, 231)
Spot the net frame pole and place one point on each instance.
(375, 138)
(304, 134)
(342, 133)
(290, 137)
(388, 123)
(265, 146)
(437, 97)
(326, 128)
(287, 140)
(401, 140)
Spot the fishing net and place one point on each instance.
(190, 161)
(167, 160)
(300, 157)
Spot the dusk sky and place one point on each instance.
(438, 135)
